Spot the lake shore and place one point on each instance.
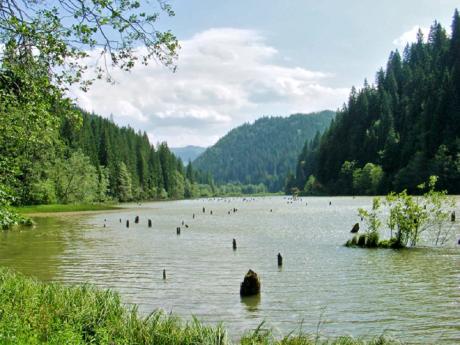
(54, 314)
(67, 209)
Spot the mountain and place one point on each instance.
(262, 152)
(188, 153)
(393, 135)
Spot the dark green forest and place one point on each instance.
(394, 134)
(263, 152)
(94, 160)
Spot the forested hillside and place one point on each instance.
(393, 135)
(92, 159)
(262, 152)
(125, 162)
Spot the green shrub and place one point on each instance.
(354, 240)
(362, 240)
(372, 240)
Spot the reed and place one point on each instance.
(33, 312)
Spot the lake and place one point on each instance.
(413, 295)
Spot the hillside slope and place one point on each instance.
(262, 152)
(393, 135)
(187, 153)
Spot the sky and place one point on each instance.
(244, 59)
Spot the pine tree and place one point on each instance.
(124, 183)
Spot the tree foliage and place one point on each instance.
(44, 46)
(61, 34)
(407, 125)
(262, 152)
(411, 218)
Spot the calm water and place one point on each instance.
(411, 294)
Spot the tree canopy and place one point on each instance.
(262, 152)
(61, 34)
(407, 125)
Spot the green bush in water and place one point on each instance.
(362, 240)
(391, 243)
(372, 240)
(354, 240)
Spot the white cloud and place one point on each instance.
(410, 36)
(225, 77)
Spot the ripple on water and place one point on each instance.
(412, 294)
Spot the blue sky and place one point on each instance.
(244, 59)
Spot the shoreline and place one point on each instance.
(54, 313)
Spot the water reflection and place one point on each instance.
(251, 302)
(412, 294)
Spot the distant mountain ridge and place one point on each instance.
(264, 151)
(188, 153)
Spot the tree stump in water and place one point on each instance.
(178, 230)
(136, 220)
(452, 217)
(355, 228)
(234, 244)
(280, 260)
(127, 223)
(250, 285)
(150, 223)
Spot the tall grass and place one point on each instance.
(38, 313)
(51, 208)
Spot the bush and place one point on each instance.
(372, 240)
(362, 240)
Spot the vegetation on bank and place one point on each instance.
(54, 208)
(262, 152)
(394, 134)
(430, 217)
(32, 312)
(50, 152)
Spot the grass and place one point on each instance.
(32, 312)
(55, 208)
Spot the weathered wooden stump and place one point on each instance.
(355, 228)
(164, 274)
(178, 230)
(150, 223)
(136, 220)
(280, 260)
(234, 244)
(127, 223)
(250, 285)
